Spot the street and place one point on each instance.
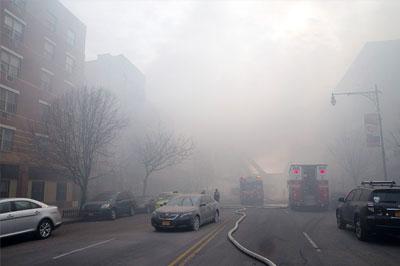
(286, 237)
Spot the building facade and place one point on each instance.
(126, 82)
(377, 64)
(42, 54)
(118, 75)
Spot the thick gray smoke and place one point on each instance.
(250, 78)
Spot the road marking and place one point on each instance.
(311, 242)
(195, 247)
(81, 249)
(197, 250)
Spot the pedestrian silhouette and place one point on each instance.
(216, 195)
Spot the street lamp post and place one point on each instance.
(373, 96)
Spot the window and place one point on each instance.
(6, 139)
(357, 194)
(44, 112)
(37, 191)
(187, 202)
(5, 207)
(71, 37)
(10, 65)
(51, 22)
(350, 196)
(121, 196)
(42, 143)
(365, 195)
(48, 50)
(4, 188)
(387, 196)
(8, 101)
(13, 29)
(21, 205)
(19, 4)
(46, 81)
(61, 191)
(69, 64)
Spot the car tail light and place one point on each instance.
(296, 171)
(322, 171)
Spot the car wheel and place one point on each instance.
(196, 223)
(359, 229)
(131, 211)
(216, 217)
(340, 223)
(113, 214)
(44, 229)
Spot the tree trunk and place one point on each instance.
(145, 185)
(83, 196)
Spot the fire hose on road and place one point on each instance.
(242, 248)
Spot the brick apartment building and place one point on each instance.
(42, 53)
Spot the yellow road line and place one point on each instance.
(197, 250)
(196, 245)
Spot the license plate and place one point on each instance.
(166, 223)
(397, 213)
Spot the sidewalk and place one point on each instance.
(71, 220)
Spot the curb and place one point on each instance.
(72, 221)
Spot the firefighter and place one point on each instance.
(216, 195)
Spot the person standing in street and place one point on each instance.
(216, 195)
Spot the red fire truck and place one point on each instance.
(308, 186)
(251, 191)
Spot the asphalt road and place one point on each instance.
(285, 237)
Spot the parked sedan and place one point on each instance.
(190, 211)
(110, 204)
(21, 215)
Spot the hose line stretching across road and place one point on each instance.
(242, 248)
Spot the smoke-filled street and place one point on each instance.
(283, 236)
(218, 132)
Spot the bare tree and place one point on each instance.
(161, 149)
(80, 126)
(352, 155)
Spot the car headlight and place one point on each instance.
(154, 214)
(105, 205)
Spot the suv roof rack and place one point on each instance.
(379, 183)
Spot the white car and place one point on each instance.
(21, 215)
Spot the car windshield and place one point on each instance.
(104, 196)
(180, 201)
(387, 196)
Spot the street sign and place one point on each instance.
(371, 124)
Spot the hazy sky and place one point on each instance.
(252, 75)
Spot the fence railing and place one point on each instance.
(70, 213)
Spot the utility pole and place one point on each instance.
(373, 96)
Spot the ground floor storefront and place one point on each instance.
(38, 183)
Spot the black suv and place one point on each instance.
(110, 204)
(372, 208)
